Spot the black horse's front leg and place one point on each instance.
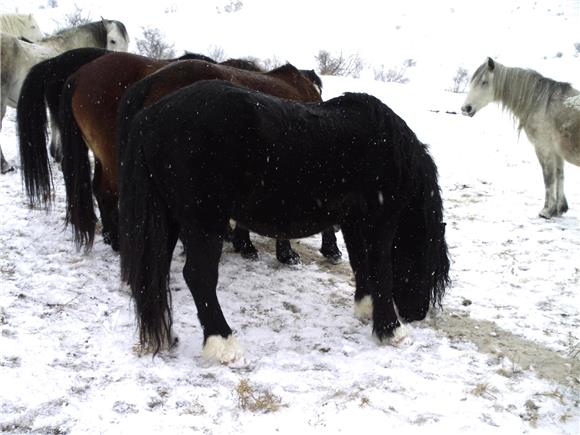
(285, 254)
(329, 248)
(243, 244)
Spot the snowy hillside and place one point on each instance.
(503, 354)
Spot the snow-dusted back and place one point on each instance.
(502, 356)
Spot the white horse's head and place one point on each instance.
(31, 30)
(117, 37)
(481, 89)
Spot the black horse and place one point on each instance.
(284, 169)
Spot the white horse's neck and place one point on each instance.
(523, 92)
(69, 41)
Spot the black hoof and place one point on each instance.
(109, 239)
(331, 253)
(249, 254)
(288, 257)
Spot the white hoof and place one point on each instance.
(400, 335)
(223, 350)
(363, 309)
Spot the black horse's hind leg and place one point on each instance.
(243, 244)
(108, 208)
(285, 254)
(370, 255)
(385, 321)
(329, 247)
(203, 251)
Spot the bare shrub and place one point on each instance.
(233, 6)
(52, 4)
(74, 19)
(395, 75)
(153, 44)
(577, 48)
(338, 65)
(271, 63)
(217, 53)
(460, 81)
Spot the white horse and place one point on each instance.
(19, 56)
(22, 26)
(547, 110)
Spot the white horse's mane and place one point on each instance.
(521, 91)
(14, 24)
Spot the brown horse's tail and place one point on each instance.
(76, 169)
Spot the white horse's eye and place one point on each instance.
(484, 83)
(113, 41)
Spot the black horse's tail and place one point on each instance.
(421, 260)
(145, 245)
(31, 122)
(76, 169)
(42, 87)
(131, 103)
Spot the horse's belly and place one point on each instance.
(283, 219)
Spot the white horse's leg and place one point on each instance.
(548, 162)
(4, 165)
(55, 144)
(561, 203)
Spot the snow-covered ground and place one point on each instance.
(502, 356)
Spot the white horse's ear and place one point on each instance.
(490, 63)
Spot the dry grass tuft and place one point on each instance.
(254, 400)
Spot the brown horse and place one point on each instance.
(89, 106)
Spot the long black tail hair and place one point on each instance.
(43, 86)
(421, 259)
(145, 244)
(76, 169)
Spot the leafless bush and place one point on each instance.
(271, 63)
(339, 65)
(577, 48)
(52, 4)
(232, 6)
(460, 81)
(153, 44)
(217, 53)
(395, 75)
(74, 19)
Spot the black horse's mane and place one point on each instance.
(312, 76)
(188, 55)
(245, 64)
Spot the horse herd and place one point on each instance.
(182, 146)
